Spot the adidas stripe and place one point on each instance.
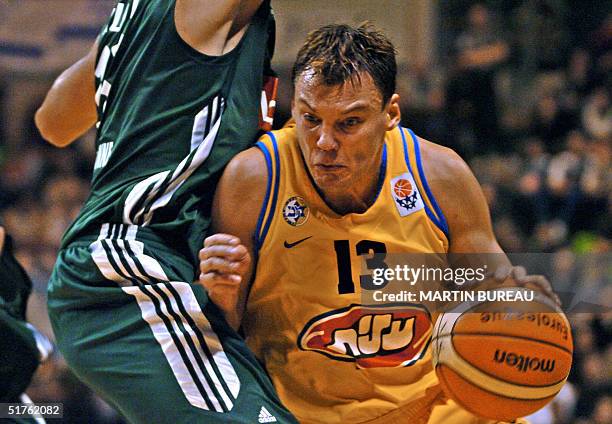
(185, 335)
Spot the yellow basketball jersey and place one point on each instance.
(329, 356)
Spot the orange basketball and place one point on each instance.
(403, 188)
(503, 360)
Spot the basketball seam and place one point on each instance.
(514, 337)
(473, 411)
(497, 377)
(484, 389)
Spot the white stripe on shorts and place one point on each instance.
(131, 265)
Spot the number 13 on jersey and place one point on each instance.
(375, 252)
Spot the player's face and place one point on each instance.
(341, 130)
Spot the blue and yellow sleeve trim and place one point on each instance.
(269, 148)
(412, 156)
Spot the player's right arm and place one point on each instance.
(69, 109)
(226, 263)
(469, 221)
(213, 27)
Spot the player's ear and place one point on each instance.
(393, 112)
(293, 109)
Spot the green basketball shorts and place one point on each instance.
(131, 325)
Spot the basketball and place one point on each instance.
(403, 188)
(503, 360)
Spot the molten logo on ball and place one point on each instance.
(524, 363)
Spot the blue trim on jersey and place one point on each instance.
(276, 185)
(405, 143)
(264, 205)
(440, 223)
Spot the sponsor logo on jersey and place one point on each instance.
(405, 194)
(393, 335)
(295, 211)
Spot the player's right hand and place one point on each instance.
(516, 276)
(223, 263)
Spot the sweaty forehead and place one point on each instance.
(312, 90)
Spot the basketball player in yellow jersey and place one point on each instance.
(345, 180)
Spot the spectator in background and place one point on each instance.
(596, 374)
(480, 50)
(551, 123)
(596, 185)
(550, 35)
(600, 44)
(535, 163)
(597, 114)
(560, 198)
(603, 410)
(425, 107)
(578, 80)
(422, 78)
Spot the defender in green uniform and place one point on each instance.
(22, 347)
(174, 89)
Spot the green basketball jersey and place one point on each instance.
(169, 120)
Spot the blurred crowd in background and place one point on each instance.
(526, 100)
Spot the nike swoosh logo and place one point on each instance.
(295, 243)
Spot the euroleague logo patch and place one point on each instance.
(295, 211)
(394, 335)
(406, 196)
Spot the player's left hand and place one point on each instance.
(224, 261)
(223, 256)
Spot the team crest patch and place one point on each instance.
(407, 198)
(295, 211)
